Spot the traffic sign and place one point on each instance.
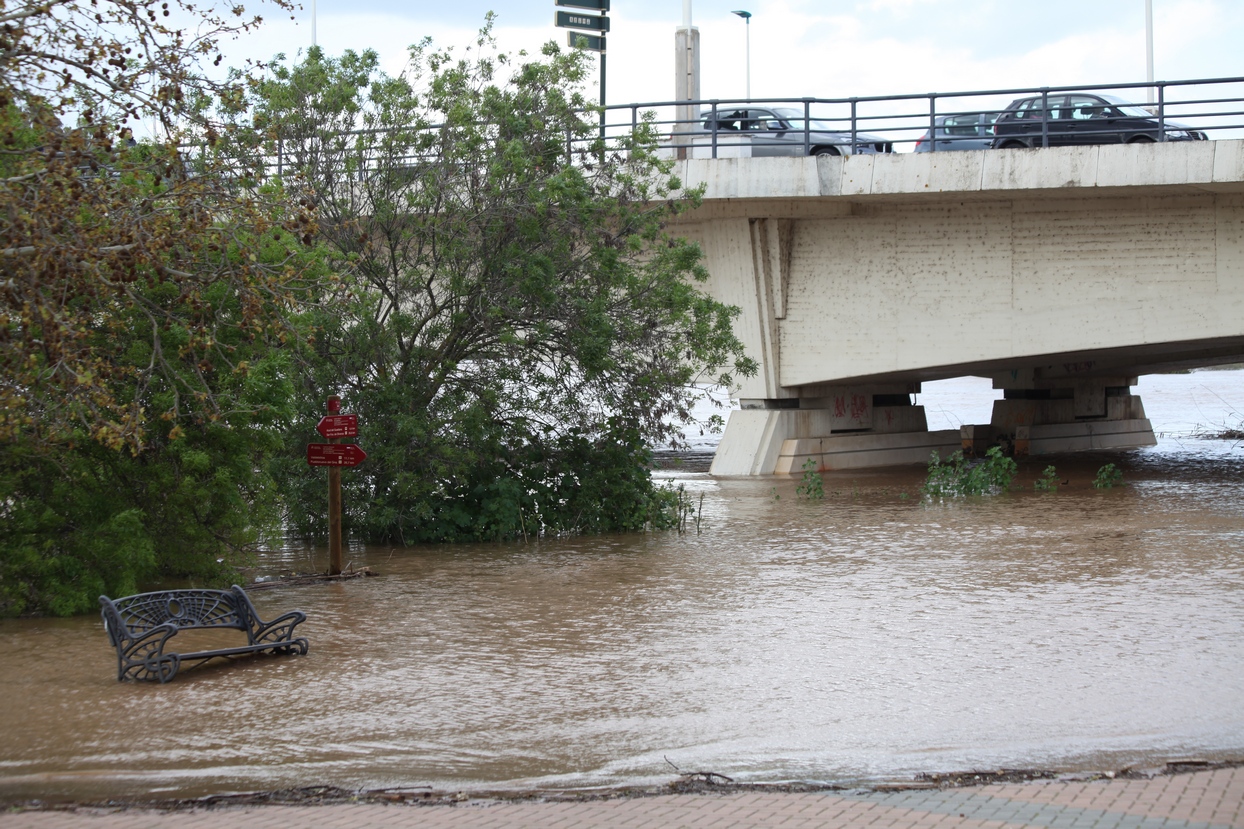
(601, 5)
(592, 43)
(338, 426)
(334, 454)
(571, 20)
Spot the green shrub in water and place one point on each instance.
(958, 476)
(813, 486)
(1048, 482)
(1108, 477)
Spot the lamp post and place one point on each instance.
(747, 18)
(1149, 46)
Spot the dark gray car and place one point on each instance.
(781, 131)
(971, 131)
(1082, 118)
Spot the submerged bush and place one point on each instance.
(1108, 477)
(958, 476)
(813, 486)
(1048, 482)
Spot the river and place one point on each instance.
(870, 635)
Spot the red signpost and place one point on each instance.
(339, 426)
(335, 455)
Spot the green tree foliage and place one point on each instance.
(515, 328)
(142, 310)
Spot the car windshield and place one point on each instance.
(1127, 108)
(795, 117)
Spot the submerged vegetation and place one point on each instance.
(812, 485)
(1048, 482)
(957, 476)
(1108, 477)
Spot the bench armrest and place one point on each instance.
(280, 629)
(143, 657)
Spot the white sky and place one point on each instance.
(818, 48)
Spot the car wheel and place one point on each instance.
(1013, 145)
(833, 151)
(1140, 139)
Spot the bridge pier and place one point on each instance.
(1057, 409)
(834, 426)
(1044, 411)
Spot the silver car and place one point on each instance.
(781, 131)
(971, 131)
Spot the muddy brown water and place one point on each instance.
(869, 635)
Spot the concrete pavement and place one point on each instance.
(1207, 799)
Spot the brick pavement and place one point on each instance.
(1202, 800)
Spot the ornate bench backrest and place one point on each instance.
(183, 608)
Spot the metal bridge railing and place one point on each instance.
(875, 124)
(1214, 106)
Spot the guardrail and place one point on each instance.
(897, 123)
(713, 128)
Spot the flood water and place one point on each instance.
(868, 635)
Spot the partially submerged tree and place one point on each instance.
(139, 306)
(516, 329)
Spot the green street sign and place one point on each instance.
(600, 5)
(590, 42)
(592, 22)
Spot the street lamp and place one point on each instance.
(747, 18)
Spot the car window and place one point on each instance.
(726, 120)
(1086, 107)
(1030, 108)
(963, 125)
(763, 120)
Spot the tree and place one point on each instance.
(144, 297)
(516, 329)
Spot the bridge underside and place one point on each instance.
(1063, 275)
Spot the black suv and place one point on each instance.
(1080, 118)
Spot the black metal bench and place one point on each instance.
(140, 626)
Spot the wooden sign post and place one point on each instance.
(333, 455)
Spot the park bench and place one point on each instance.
(140, 627)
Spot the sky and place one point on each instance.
(816, 48)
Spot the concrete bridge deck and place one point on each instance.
(1061, 273)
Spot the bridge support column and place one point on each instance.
(1053, 410)
(834, 427)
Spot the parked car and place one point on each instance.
(973, 131)
(1081, 118)
(780, 131)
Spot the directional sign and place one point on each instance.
(338, 426)
(600, 5)
(595, 23)
(334, 454)
(592, 43)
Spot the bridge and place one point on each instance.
(1061, 273)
